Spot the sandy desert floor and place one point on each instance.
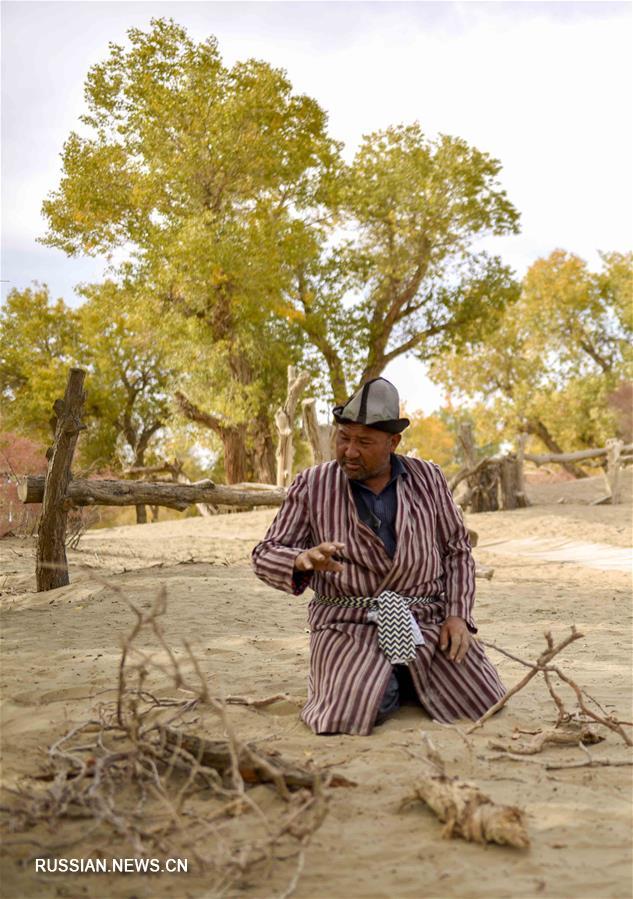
(61, 650)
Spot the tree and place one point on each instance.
(232, 200)
(38, 342)
(119, 338)
(428, 437)
(126, 342)
(210, 177)
(235, 396)
(583, 318)
(554, 358)
(405, 278)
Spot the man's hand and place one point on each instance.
(455, 638)
(319, 558)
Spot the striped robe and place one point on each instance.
(348, 672)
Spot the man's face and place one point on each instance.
(363, 452)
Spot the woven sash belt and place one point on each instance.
(398, 631)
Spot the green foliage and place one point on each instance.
(205, 170)
(118, 337)
(126, 347)
(250, 246)
(38, 342)
(428, 437)
(554, 357)
(213, 179)
(584, 318)
(239, 213)
(403, 277)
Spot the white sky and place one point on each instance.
(545, 87)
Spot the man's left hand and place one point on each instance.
(455, 638)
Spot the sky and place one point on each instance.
(545, 87)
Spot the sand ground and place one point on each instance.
(61, 650)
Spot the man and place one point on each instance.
(382, 543)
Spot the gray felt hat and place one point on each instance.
(376, 405)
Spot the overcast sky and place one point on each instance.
(545, 87)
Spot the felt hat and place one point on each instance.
(376, 405)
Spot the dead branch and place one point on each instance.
(583, 698)
(255, 703)
(609, 721)
(133, 767)
(542, 660)
(584, 734)
(560, 766)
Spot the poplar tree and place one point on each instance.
(208, 179)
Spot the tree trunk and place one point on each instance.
(320, 437)
(284, 420)
(139, 462)
(576, 456)
(467, 443)
(175, 469)
(484, 488)
(263, 457)
(233, 438)
(510, 477)
(521, 491)
(536, 427)
(235, 458)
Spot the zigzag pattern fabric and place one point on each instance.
(398, 634)
(396, 637)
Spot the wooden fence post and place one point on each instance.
(614, 447)
(521, 492)
(51, 569)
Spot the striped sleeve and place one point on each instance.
(274, 557)
(456, 551)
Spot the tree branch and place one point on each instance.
(195, 414)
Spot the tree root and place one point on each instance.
(469, 813)
(464, 809)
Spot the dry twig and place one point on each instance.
(134, 769)
(543, 666)
(253, 702)
(584, 734)
(542, 660)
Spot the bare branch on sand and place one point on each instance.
(138, 773)
(588, 708)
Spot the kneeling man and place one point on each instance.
(379, 539)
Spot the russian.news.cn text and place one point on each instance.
(111, 866)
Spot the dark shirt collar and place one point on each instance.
(397, 469)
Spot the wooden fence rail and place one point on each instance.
(58, 491)
(83, 492)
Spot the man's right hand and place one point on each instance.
(319, 558)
